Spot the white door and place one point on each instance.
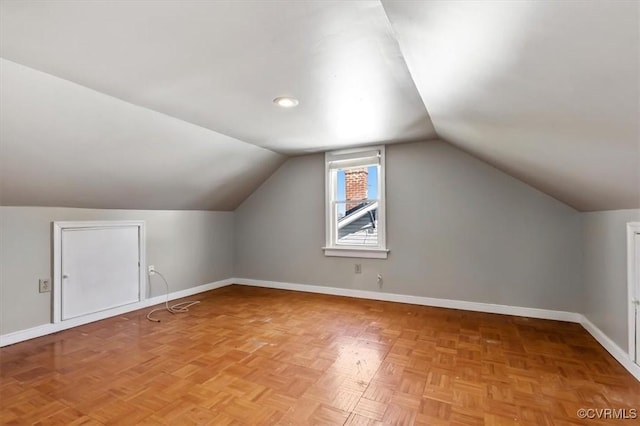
(100, 269)
(637, 293)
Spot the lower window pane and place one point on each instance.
(357, 225)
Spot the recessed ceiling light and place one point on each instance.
(285, 101)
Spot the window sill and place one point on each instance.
(356, 252)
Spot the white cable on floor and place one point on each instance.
(174, 309)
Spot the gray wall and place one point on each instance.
(190, 248)
(605, 272)
(457, 228)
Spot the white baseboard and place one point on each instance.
(418, 300)
(190, 291)
(44, 329)
(616, 351)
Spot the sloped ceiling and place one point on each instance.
(547, 91)
(67, 146)
(167, 104)
(219, 64)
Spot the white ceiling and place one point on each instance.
(219, 64)
(67, 146)
(546, 91)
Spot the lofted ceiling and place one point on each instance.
(547, 91)
(166, 104)
(66, 146)
(219, 64)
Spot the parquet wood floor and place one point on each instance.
(252, 356)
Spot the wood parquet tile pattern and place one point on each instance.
(252, 356)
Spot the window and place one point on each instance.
(355, 205)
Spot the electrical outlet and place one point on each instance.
(44, 285)
(380, 280)
(152, 269)
(358, 268)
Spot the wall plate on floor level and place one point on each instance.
(44, 285)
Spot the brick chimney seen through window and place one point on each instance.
(356, 181)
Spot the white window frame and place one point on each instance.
(335, 160)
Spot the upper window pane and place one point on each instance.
(362, 180)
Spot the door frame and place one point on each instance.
(60, 226)
(633, 277)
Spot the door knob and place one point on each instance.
(65, 276)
